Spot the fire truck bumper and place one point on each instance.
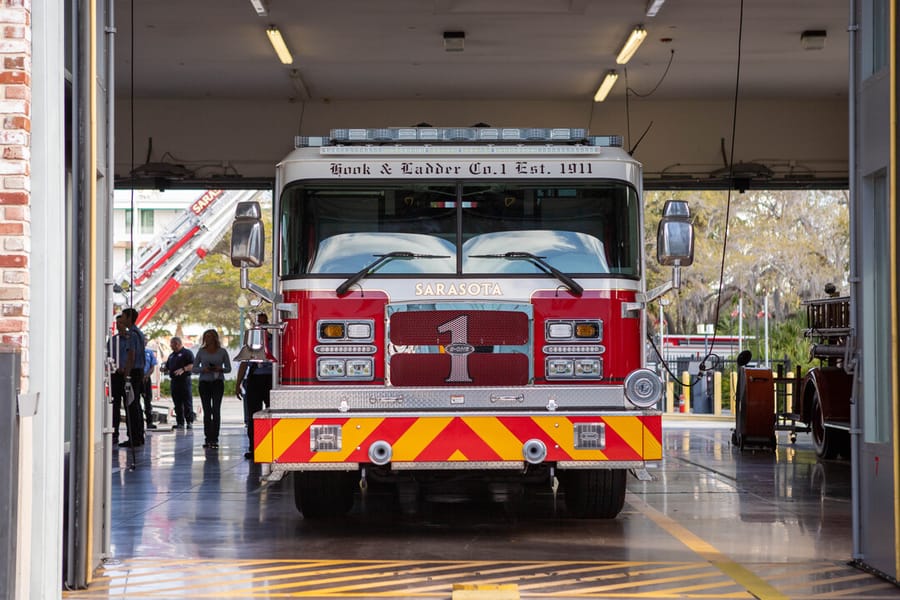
(289, 439)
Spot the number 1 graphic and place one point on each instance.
(459, 348)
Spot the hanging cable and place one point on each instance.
(658, 83)
(629, 91)
(710, 360)
(131, 125)
(734, 112)
(627, 111)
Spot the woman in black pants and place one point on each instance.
(211, 363)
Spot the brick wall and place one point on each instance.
(15, 180)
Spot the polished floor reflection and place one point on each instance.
(714, 522)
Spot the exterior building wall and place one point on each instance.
(15, 172)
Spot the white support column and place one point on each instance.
(42, 436)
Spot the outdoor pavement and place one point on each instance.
(232, 410)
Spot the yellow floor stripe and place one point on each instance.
(749, 580)
(485, 592)
(435, 580)
(368, 585)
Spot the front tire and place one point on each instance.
(324, 494)
(824, 438)
(594, 493)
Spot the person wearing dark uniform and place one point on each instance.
(118, 348)
(257, 380)
(136, 379)
(179, 367)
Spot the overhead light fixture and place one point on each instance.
(653, 7)
(631, 44)
(281, 49)
(260, 8)
(813, 39)
(454, 41)
(608, 82)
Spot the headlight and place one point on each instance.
(558, 368)
(559, 331)
(573, 330)
(346, 369)
(574, 368)
(332, 330)
(643, 388)
(359, 331)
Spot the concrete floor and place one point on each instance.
(714, 522)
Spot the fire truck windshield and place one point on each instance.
(580, 229)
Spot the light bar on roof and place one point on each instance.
(458, 135)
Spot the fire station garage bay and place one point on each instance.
(452, 299)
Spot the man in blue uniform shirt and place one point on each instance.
(147, 386)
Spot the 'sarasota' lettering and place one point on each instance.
(462, 288)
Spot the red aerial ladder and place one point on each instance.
(158, 268)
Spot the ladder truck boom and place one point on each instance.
(169, 259)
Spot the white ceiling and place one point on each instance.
(514, 49)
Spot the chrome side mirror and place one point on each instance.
(675, 235)
(248, 238)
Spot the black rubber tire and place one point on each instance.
(823, 437)
(324, 494)
(594, 493)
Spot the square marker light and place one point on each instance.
(359, 331)
(559, 331)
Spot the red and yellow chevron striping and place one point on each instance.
(457, 438)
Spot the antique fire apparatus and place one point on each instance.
(456, 305)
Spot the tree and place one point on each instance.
(784, 244)
(209, 297)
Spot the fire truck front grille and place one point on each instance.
(459, 344)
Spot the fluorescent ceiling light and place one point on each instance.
(608, 82)
(281, 49)
(259, 7)
(631, 44)
(653, 7)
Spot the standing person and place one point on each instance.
(136, 375)
(211, 363)
(179, 367)
(136, 378)
(147, 385)
(258, 380)
(121, 353)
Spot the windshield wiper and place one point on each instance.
(381, 258)
(570, 283)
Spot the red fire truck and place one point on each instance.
(458, 305)
(825, 392)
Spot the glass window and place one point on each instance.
(341, 229)
(876, 347)
(879, 27)
(129, 217)
(146, 221)
(585, 229)
(580, 229)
